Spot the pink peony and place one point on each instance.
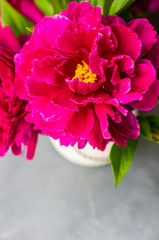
(14, 130)
(27, 8)
(83, 73)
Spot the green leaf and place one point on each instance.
(12, 18)
(100, 3)
(155, 134)
(121, 159)
(149, 127)
(107, 4)
(145, 127)
(104, 5)
(119, 5)
(154, 120)
(45, 6)
(58, 5)
(154, 123)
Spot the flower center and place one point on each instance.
(84, 74)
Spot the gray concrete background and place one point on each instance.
(53, 199)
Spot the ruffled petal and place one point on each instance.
(95, 137)
(145, 76)
(77, 11)
(45, 71)
(127, 128)
(81, 122)
(112, 20)
(83, 88)
(149, 100)
(48, 29)
(129, 44)
(145, 31)
(8, 39)
(102, 110)
(153, 54)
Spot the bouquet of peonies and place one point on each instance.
(77, 76)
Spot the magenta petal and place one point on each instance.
(48, 110)
(62, 96)
(24, 60)
(102, 110)
(68, 12)
(83, 88)
(105, 41)
(68, 66)
(32, 145)
(145, 32)
(68, 140)
(25, 134)
(96, 97)
(145, 75)
(129, 44)
(153, 54)
(57, 135)
(48, 29)
(28, 8)
(6, 57)
(20, 88)
(81, 122)
(22, 39)
(128, 97)
(44, 71)
(95, 63)
(48, 127)
(114, 74)
(8, 39)
(68, 42)
(77, 11)
(59, 125)
(87, 37)
(124, 85)
(16, 150)
(59, 95)
(82, 143)
(111, 20)
(154, 5)
(150, 98)
(119, 107)
(95, 137)
(125, 64)
(35, 88)
(127, 128)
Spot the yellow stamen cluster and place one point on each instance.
(84, 73)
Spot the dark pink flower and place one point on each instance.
(154, 5)
(14, 130)
(27, 8)
(145, 6)
(83, 73)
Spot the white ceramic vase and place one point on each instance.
(86, 157)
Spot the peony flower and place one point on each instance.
(145, 6)
(27, 8)
(83, 73)
(14, 130)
